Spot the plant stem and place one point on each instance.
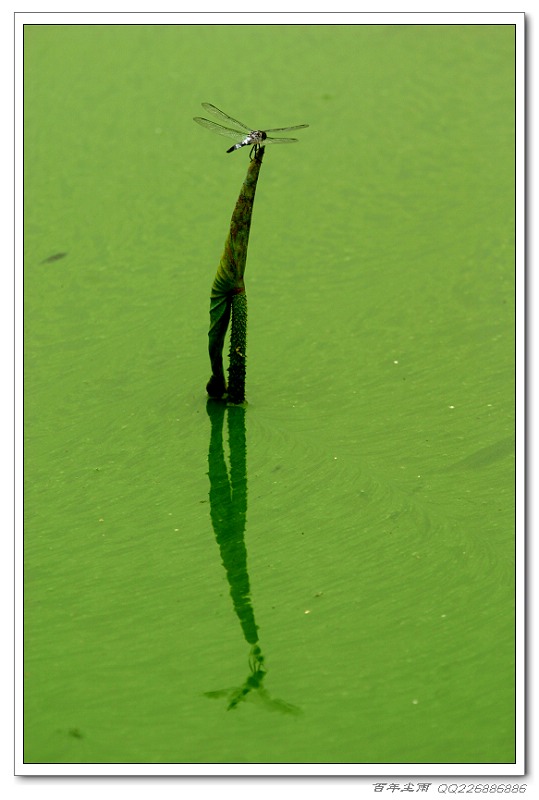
(228, 296)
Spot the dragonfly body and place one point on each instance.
(255, 138)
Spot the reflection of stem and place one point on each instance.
(228, 507)
(228, 295)
(228, 511)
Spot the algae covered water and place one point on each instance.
(325, 575)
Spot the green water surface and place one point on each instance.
(325, 575)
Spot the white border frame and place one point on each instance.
(503, 771)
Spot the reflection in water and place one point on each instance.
(228, 510)
(484, 456)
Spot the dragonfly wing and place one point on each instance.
(272, 140)
(291, 128)
(224, 117)
(213, 126)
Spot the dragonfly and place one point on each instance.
(255, 138)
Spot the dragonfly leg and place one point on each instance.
(255, 150)
(259, 152)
